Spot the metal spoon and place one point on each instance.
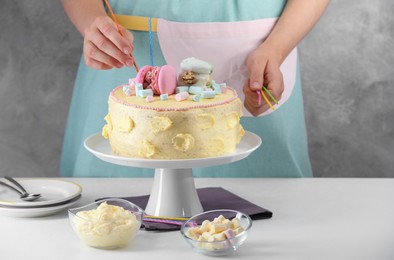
(21, 193)
(24, 194)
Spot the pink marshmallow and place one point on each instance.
(132, 82)
(229, 233)
(181, 96)
(149, 98)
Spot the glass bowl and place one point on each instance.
(106, 224)
(216, 232)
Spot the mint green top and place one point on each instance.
(284, 151)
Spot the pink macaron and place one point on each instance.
(140, 78)
(162, 80)
(167, 80)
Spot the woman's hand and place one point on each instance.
(297, 19)
(264, 70)
(104, 47)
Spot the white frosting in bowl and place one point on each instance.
(107, 226)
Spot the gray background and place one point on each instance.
(347, 65)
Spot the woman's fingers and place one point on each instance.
(251, 101)
(104, 44)
(263, 71)
(274, 81)
(255, 111)
(108, 47)
(110, 31)
(129, 37)
(93, 53)
(114, 43)
(97, 64)
(256, 74)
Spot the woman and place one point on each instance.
(251, 43)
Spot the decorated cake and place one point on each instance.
(164, 115)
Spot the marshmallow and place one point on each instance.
(128, 91)
(217, 228)
(181, 89)
(220, 229)
(193, 233)
(195, 90)
(149, 98)
(238, 231)
(235, 223)
(196, 98)
(204, 226)
(219, 236)
(125, 88)
(164, 96)
(138, 87)
(181, 96)
(205, 236)
(229, 233)
(216, 88)
(208, 94)
(132, 82)
(145, 92)
(220, 219)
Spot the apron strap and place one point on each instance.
(136, 23)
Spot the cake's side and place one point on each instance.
(171, 129)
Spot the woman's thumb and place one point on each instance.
(256, 80)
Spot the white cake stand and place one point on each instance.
(173, 193)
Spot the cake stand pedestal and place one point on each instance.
(173, 193)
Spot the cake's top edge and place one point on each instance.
(163, 89)
(118, 95)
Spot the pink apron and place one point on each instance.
(226, 46)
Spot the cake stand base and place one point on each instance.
(173, 194)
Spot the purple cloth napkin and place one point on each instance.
(223, 199)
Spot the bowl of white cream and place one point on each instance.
(106, 224)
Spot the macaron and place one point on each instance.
(165, 81)
(195, 72)
(196, 65)
(140, 78)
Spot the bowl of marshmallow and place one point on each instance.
(216, 232)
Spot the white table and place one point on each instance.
(313, 219)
